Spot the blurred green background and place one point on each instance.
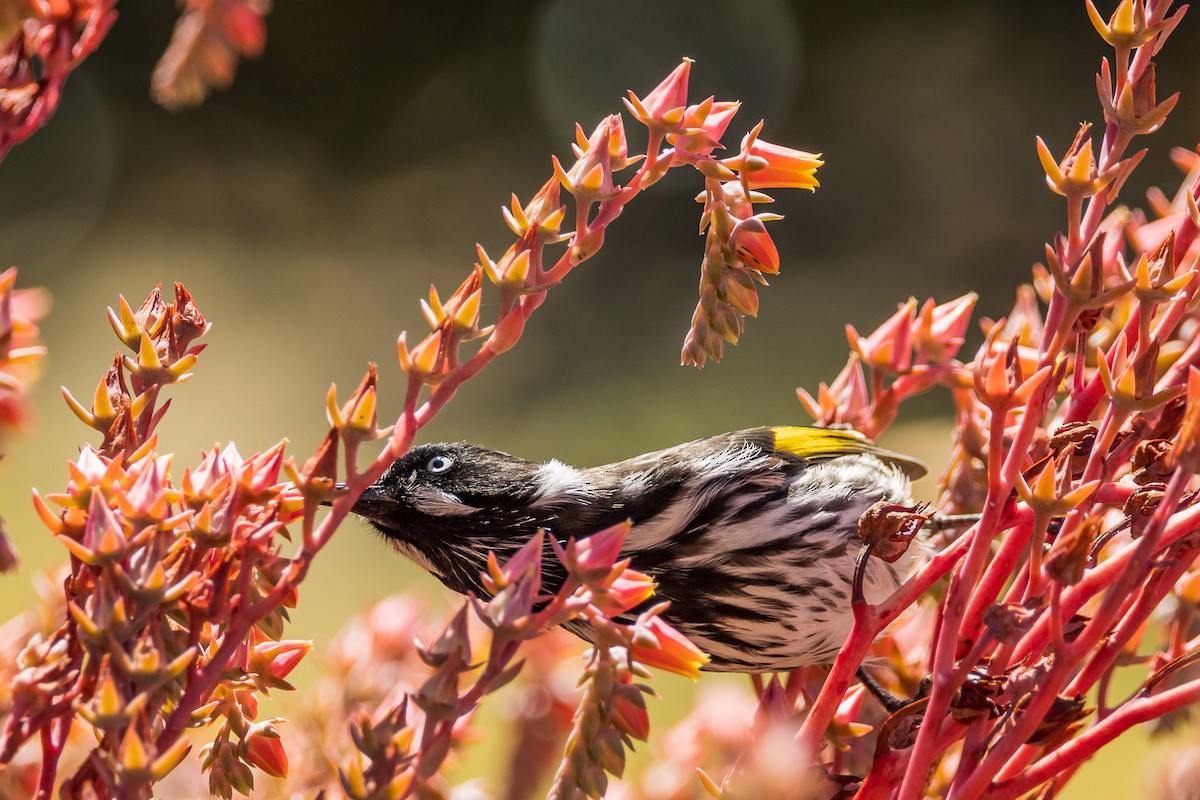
(309, 207)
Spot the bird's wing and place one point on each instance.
(818, 444)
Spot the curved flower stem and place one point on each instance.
(1083, 747)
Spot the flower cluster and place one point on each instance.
(1076, 447)
(40, 44)
(174, 599)
(400, 756)
(737, 253)
(178, 590)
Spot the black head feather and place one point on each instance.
(446, 505)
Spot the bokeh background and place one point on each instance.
(310, 206)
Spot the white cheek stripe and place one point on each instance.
(417, 557)
(432, 501)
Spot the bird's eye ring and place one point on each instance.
(439, 464)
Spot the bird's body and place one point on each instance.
(750, 535)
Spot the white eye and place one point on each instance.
(439, 464)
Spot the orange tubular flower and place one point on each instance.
(667, 649)
(763, 165)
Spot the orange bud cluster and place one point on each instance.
(175, 603)
(1075, 453)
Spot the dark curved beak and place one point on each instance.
(374, 503)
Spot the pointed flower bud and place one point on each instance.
(1046, 497)
(703, 127)
(889, 347)
(593, 557)
(590, 177)
(544, 212)
(462, 309)
(1127, 28)
(940, 329)
(628, 590)
(511, 273)
(1076, 175)
(663, 108)
(628, 710)
(1133, 109)
(525, 564)
(842, 401)
(278, 659)
(753, 245)
(358, 419)
(264, 749)
(317, 479)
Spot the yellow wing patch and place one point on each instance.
(830, 443)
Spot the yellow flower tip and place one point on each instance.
(593, 179)
(109, 702)
(1098, 21)
(102, 404)
(172, 758)
(83, 621)
(634, 104)
(1054, 175)
(554, 220)
(156, 580)
(1124, 20)
(179, 370)
(364, 411)
(48, 517)
(84, 415)
(466, 318)
(139, 404)
(996, 379)
(405, 364)
(561, 174)
(1083, 168)
(147, 356)
(517, 271)
(78, 550)
(710, 786)
(134, 757)
(352, 778)
(425, 354)
(1142, 270)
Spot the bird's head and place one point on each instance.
(446, 505)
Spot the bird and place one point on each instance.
(750, 535)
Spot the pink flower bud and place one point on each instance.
(628, 710)
(277, 659)
(703, 127)
(940, 329)
(264, 749)
(754, 246)
(663, 107)
(596, 554)
(889, 347)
